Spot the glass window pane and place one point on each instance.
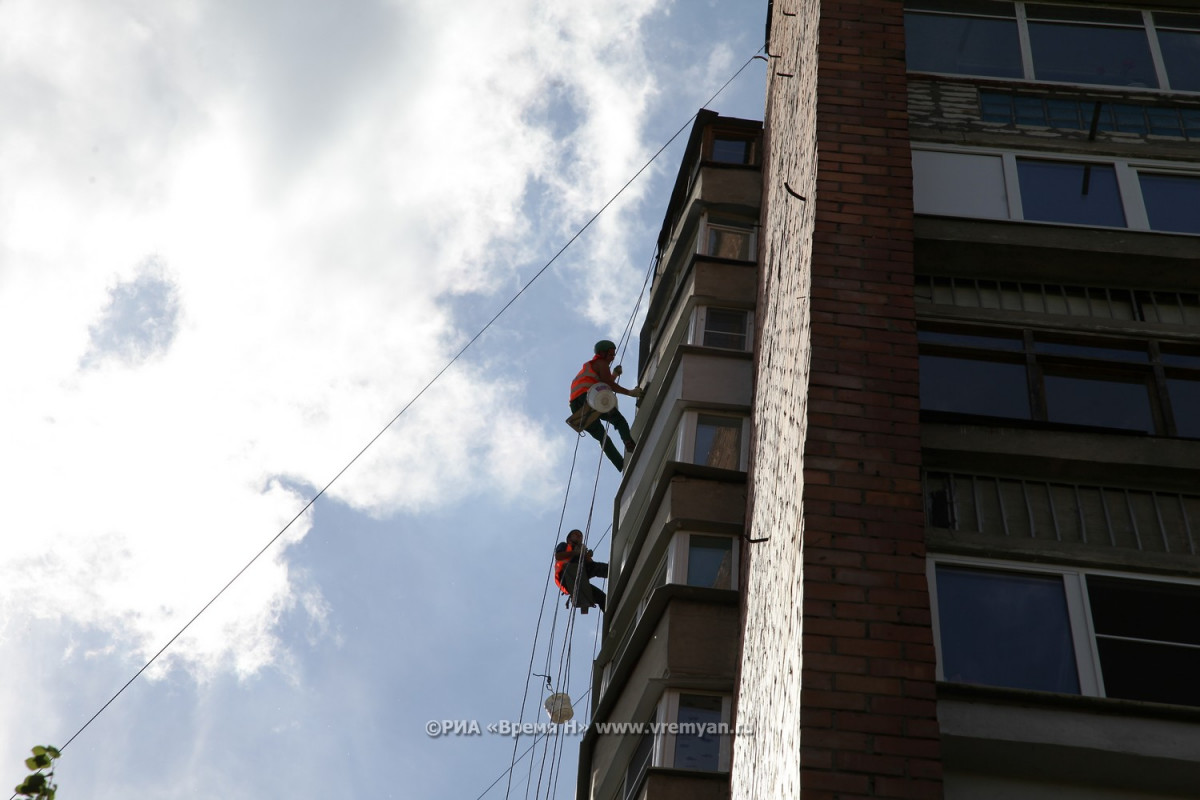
(1156, 673)
(1005, 629)
(959, 184)
(1148, 610)
(1091, 54)
(1099, 402)
(1181, 54)
(638, 765)
(1165, 612)
(727, 242)
(973, 386)
(1185, 406)
(718, 442)
(1172, 201)
(698, 750)
(1093, 351)
(1061, 191)
(726, 327)
(710, 561)
(731, 151)
(962, 45)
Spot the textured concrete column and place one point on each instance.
(837, 677)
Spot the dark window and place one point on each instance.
(974, 386)
(1172, 201)
(726, 328)
(1079, 399)
(1005, 629)
(1185, 406)
(1179, 40)
(1147, 639)
(638, 765)
(1092, 351)
(698, 750)
(1091, 54)
(1075, 193)
(964, 45)
(729, 150)
(710, 561)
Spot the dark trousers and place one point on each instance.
(593, 569)
(596, 430)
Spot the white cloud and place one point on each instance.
(320, 181)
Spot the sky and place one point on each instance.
(236, 240)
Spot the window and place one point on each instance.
(1072, 113)
(1103, 46)
(726, 328)
(983, 36)
(729, 148)
(700, 748)
(1057, 43)
(700, 740)
(1065, 190)
(706, 560)
(1070, 191)
(635, 773)
(1078, 632)
(718, 441)
(1172, 201)
(1129, 384)
(1005, 629)
(728, 238)
(1179, 41)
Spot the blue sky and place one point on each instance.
(235, 240)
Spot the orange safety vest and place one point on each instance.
(560, 565)
(586, 379)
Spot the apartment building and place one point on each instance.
(670, 644)
(976, 447)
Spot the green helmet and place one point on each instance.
(603, 346)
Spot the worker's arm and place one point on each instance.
(605, 375)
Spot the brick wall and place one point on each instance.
(837, 675)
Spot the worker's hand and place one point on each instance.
(636, 391)
(617, 371)
(589, 553)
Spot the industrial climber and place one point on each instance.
(567, 558)
(586, 417)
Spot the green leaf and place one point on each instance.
(39, 750)
(53, 751)
(38, 762)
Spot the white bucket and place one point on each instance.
(602, 398)
(558, 706)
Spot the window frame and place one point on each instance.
(1024, 42)
(685, 451)
(679, 552)
(728, 224)
(1128, 174)
(1079, 611)
(1155, 370)
(669, 712)
(699, 322)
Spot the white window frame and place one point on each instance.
(686, 449)
(1079, 613)
(1022, 22)
(1127, 173)
(700, 320)
(730, 225)
(669, 712)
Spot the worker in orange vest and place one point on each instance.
(597, 371)
(567, 567)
